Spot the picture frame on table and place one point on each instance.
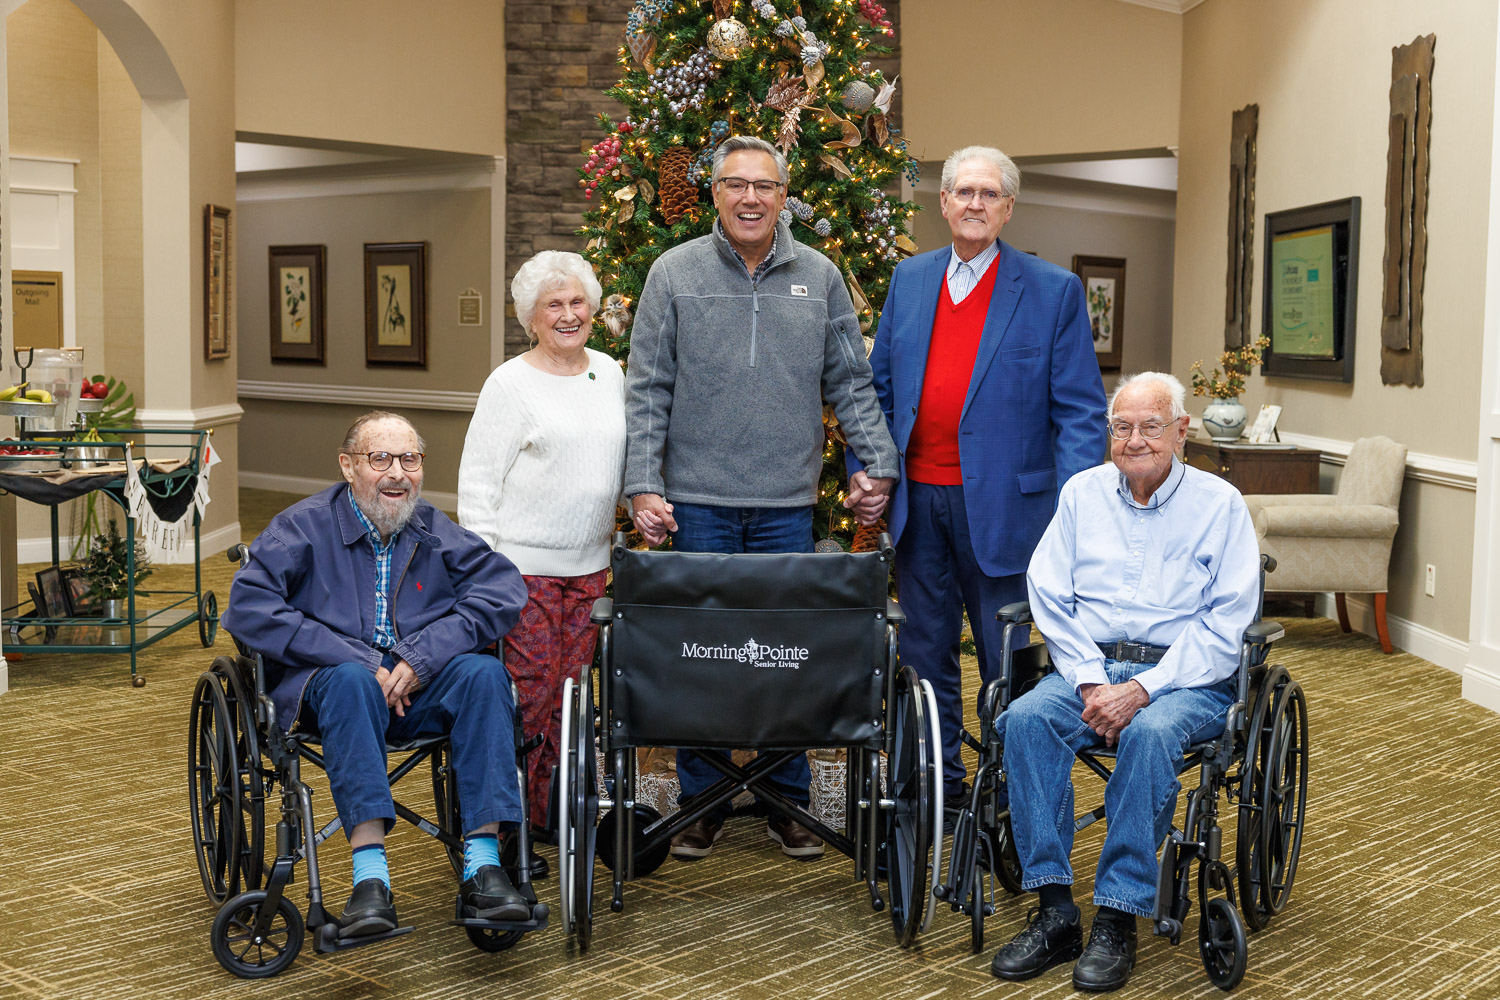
(81, 602)
(298, 285)
(396, 304)
(1104, 294)
(218, 282)
(54, 597)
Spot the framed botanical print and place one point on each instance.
(396, 304)
(1104, 292)
(298, 296)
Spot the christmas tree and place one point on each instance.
(795, 74)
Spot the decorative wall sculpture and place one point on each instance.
(1406, 212)
(1237, 331)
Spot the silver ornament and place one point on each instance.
(858, 97)
(728, 38)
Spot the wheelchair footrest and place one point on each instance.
(327, 938)
(537, 921)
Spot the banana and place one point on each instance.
(13, 391)
(39, 395)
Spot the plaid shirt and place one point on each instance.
(385, 637)
(764, 264)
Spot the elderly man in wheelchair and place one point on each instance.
(1142, 587)
(368, 606)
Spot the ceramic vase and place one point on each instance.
(1224, 419)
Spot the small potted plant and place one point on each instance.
(106, 567)
(1224, 418)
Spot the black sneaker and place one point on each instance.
(1107, 961)
(490, 896)
(370, 910)
(1049, 938)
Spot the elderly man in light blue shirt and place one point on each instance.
(1142, 586)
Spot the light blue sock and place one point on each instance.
(479, 850)
(369, 862)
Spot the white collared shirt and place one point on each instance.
(964, 275)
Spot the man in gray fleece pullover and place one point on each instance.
(739, 337)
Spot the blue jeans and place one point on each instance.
(1043, 728)
(705, 528)
(937, 577)
(469, 700)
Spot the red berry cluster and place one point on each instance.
(875, 14)
(603, 158)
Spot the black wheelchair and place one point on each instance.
(259, 931)
(1259, 764)
(778, 653)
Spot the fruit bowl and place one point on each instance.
(28, 408)
(89, 405)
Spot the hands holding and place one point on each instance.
(1108, 708)
(398, 685)
(652, 516)
(867, 497)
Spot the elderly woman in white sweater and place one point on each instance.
(541, 474)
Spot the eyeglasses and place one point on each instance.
(1150, 430)
(987, 195)
(737, 185)
(411, 461)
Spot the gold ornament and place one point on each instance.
(728, 38)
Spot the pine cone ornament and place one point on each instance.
(867, 538)
(677, 193)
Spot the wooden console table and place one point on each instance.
(1257, 468)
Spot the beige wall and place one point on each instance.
(1039, 77)
(424, 75)
(1321, 74)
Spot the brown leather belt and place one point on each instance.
(1137, 652)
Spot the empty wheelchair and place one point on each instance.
(1258, 766)
(238, 756)
(778, 653)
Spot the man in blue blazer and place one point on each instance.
(984, 365)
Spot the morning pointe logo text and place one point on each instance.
(758, 655)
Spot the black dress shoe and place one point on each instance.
(1048, 939)
(1107, 961)
(490, 896)
(539, 867)
(370, 910)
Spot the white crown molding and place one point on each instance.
(1170, 6)
(445, 177)
(360, 395)
(197, 419)
(306, 486)
(1080, 201)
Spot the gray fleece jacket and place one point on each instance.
(726, 381)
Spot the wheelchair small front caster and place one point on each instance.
(251, 955)
(1221, 942)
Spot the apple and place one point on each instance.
(101, 390)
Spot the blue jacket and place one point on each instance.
(307, 597)
(1034, 413)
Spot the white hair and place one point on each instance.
(1168, 384)
(551, 269)
(1010, 174)
(738, 143)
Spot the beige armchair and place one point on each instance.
(1342, 542)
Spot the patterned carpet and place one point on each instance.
(1398, 894)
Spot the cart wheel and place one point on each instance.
(208, 618)
(1284, 797)
(642, 816)
(238, 672)
(445, 804)
(908, 821)
(213, 789)
(578, 812)
(1221, 942)
(492, 940)
(251, 956)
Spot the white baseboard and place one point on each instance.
(306, 486)
(1419, 640)
(1480, 686)
(4, 674)
(39, 550)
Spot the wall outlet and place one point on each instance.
(1431, 583)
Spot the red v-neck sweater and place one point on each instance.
(932, 452)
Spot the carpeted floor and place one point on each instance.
(1398, 894)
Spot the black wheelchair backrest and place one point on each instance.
(748, 650)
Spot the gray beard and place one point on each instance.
(387, 521)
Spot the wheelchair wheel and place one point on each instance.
(1252, 786)
(1284, 797)
(1007, 864)
(1221, 943)
(642, 816)
(977, 903)
(492, 940)
(238, 672)
(908, 820)
(208, 618)
(213, 788)
(241, 951)
(445, 804)
(577, 812)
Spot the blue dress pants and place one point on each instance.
(469, 700)
(1044, 727)
(705, 528)
(937, 578)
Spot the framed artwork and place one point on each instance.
(298, 296)
(81, 603)
(396, 304)
(1104, 290)
(218, 280)
(1311, 290)
(50, 583)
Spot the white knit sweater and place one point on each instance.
(543, 464)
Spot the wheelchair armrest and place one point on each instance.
(239, 552)
(1263, 633)
(989, 702)
(1017, 612)
(1267, 563)
(603, 611)
(893, 612)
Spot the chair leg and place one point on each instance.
(1343, 608)
(1380, 629)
